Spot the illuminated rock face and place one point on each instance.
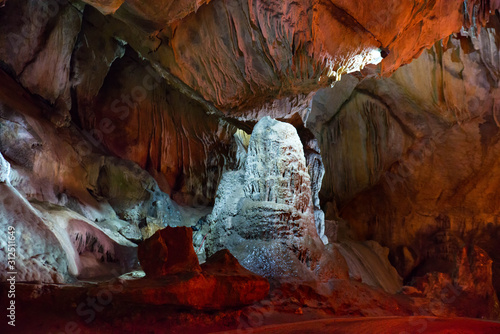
(43, 260)
(236, 54)
(229, 58)
(4, 170)
(316, 173)
(76, 211)
(275, 168)
(37, 42)
(138, 117)
(219, 284)
(113, 113)
(464, 281)
(168, 251)
(369, 263)
(411, 160)
(264, 212)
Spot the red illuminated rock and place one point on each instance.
(234, 284)
(222, 283)
(168, 251)
(462, 288)
(244, 53)
(106, 6)
(412, 160)
(232, 58)
(223, 262)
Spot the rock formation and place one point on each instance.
(268, 221)
(130, 62)
(4, 170)
(410, 159)
(169, 251)
(282, 139)
(175, 278)
(83, 206)
(468, 281)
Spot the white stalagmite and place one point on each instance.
(269, 222)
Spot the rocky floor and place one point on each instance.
(375, 325)
(339, 306)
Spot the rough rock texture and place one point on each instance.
(411, 160)
(316, 173)
(369, 263)
(44, 260)
(465, 282)
(84, 207)
(169, 251)
(4, 170)
(37, 42)
(109, 108)
(220, 283)
(269, 223)
(240, 60)
(366, 261)
(267, 49)
(196, 291)
(138, 117)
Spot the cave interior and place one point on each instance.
(250, 166)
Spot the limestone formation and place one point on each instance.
(86, 208)
(169, 251)
(222, 283)
(269, 222)
(411, 160)
(270, 138)
(466, 282)
(4, 170)
(316, 173)
(241, 60)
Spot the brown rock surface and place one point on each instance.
(463, 288)
(222, 282)
(138, 117)
(137, 90)
(169, 251)
(223, 262)
(411, 159)
(196, 290)
(37, 42)
(243, 59)
(247, 50)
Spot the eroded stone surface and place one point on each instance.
(85, 207)
(269, 222)
(4, 170)
(466, 281)
(418, 174)
(243, 59)
(220, 283)
(169, 251)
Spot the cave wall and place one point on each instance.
(146, 121)
(240, 54)
(238, 60)
(130, 89)
(411, 160)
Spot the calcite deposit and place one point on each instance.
(264, 212)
